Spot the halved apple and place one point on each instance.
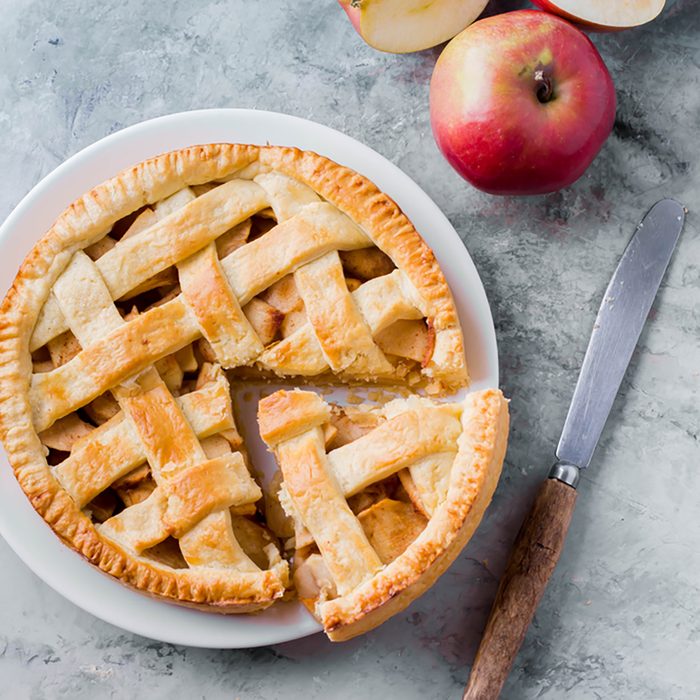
(605, 15)
(401, 26)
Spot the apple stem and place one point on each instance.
(544, 88)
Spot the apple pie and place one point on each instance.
(235, 263)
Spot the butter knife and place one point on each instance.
(539, 543)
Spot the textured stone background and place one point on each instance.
(621, 618)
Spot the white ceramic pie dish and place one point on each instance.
(26, 532)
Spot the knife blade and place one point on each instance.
(617, 328)
(538, 545)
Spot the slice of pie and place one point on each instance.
(126, 323)
(381, 502)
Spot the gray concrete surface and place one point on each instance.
(622, 616)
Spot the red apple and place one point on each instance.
(521, 103)
(605, 15)
(400, 26)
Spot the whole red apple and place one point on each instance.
(521, 103)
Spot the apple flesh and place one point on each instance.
(605, 15)
(401, 26)
(521, 103)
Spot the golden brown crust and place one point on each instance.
(86, 221)
(283, 415)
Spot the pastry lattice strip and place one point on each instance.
(114, 449)
(341, 325)
(338, 334)
(184, 503)
(318, 483)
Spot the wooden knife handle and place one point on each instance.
(535, 554)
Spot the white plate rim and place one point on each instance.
(26, 532)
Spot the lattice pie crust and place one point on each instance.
(116, 412)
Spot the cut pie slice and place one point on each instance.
(359, 561)
(127, 320)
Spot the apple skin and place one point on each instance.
(353, 14)
(486, 115)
